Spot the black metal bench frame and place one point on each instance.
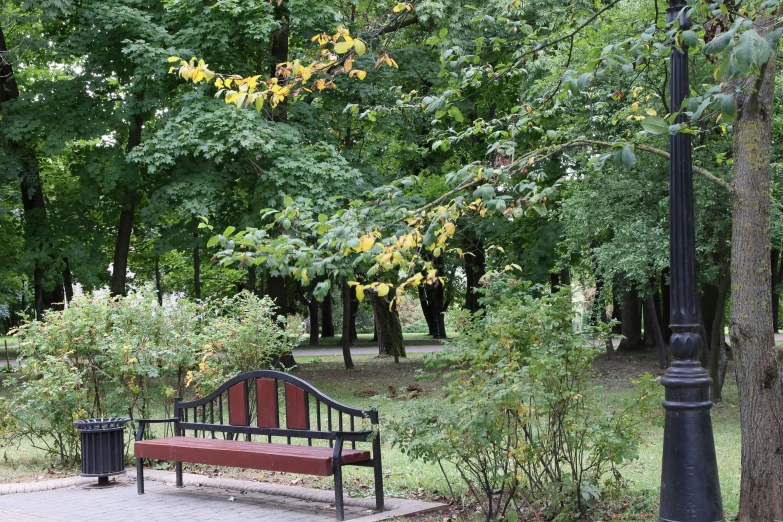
(337, 438)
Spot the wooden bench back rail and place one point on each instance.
(249, 404)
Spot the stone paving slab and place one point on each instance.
(202, 499)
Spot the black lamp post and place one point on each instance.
(690, 489)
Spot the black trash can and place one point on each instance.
(103, 447)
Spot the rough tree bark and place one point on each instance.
(426, 311)
(602, 316)
(390, 339)
(718, 361)
(312, 308)
(327, 317)
(655, 329)
(158, 285)
(196, 263)
(346, 338)
(750, 326)
(631, 321)
(127, 215)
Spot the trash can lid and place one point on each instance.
(107, 423)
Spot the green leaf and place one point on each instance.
(213, 241)
(456, 113)
(229, 231)
(655, 125)
(443, 32)
(288, 201)
(359, 47)
(322, 218)
(728, 107)
(690, 38)
(629, 158)
(720, 43)
(286, 224)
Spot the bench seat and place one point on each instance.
(310, 460)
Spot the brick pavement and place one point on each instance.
(203, 499)
(164, 503)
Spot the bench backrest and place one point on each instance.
(249, 404)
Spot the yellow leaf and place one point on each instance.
(360, 292)
(366, 242)
(305, 279)
(306, 74)
(259, 103)
(635, 106)
(352, 283)
(383, 289)
(359, 47)
(319, 84)
(360, 74)
(342, 47)
(348, 65)
(449, 228)
(173, 59)
(399, 7)
(651, 112)
(219, 83)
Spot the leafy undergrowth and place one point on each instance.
(369, 385)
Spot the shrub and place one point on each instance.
(520, 421)
(126, 356)
(249, 337)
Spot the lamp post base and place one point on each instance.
(690, 489)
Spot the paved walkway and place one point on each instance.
(361, 350)
(202, 499)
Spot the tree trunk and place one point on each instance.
(602, 316)
(666, 307)
(475, 268)
(327, 317)
(390, 339)
(752, 338)
(617, 311)
(125, 226)
(67, 282)
(435, 302)
(278, 291)
(354, 301)
(655, 328)
(718, 361)
(196, 265)
(346, 339)
(279, 51)
(426, 311)
(631, 317)
(252, 280)
(312, 307)
(158, 285)
(38, 233)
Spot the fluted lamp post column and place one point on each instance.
(690, 489)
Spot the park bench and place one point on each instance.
(250, 403)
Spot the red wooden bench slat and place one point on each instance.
(311, 460)
(297, 416)
(237, 404)
(266, 403)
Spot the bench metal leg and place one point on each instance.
(338, 492)
(337, 466)
(378, 481)
(178, 471)
(140, 476)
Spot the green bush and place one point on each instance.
(520, 421)
(245, 334)
(127, 356)
(415, 328)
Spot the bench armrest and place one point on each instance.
(144, 422)
(356, 436)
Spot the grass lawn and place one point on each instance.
(419, 480)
